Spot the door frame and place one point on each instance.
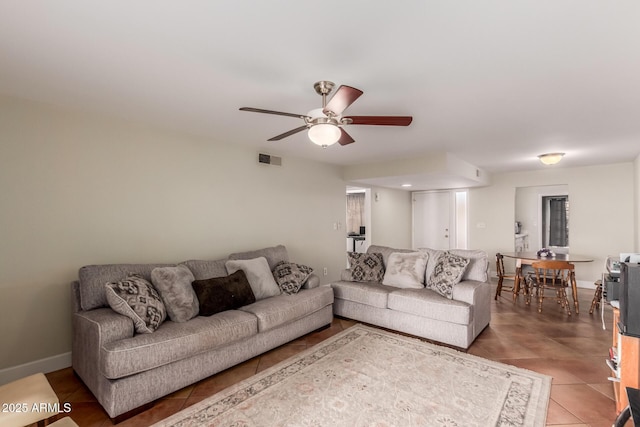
(454, 220)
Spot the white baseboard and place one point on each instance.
(45, 365)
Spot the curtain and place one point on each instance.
(558, 234)
(355, 212)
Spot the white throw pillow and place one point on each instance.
(406, 270)
(259, 275)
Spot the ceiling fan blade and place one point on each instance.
(380, 120)
(344, 97)
(277, 113)
(286, 134)
(345, 138)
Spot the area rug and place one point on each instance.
(369, 377)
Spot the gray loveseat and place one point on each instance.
(125, 370)
(421, 312)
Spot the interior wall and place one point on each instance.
(79, 189)
(391, 217)
(601, 213)
(637, 203)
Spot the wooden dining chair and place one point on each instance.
(550, 275)
(502, 276)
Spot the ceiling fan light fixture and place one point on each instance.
(550, 158)
(324, 134)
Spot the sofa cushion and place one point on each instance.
(137, 299)
(259, 275)
(92, 279)
(431, 305)
(447, 273)
(283, 309)
(367, 267)
(273, 254)
(290, 276)
(368, 293)
(206, 269)
(478, 264)
(174, 286)
(405, 270)
(223, 293)
(175, 341)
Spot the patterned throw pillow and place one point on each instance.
(290, 276)
(447, 273)
(137, 299)
(366, 267)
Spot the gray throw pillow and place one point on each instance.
(290, 276)
(447, 272)
(259, 275)
(366, 267)
(174, 286)
(136, 298)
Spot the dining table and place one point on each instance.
(528, 258)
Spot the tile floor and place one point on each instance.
(570, 349)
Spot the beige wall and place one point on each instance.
(78, 189)
(391, 217)
(637, 204)
(601, 212)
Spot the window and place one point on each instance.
(355, 212)
(555, 221)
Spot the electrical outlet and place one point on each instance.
(324, 271)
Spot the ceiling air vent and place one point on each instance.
(269, 160)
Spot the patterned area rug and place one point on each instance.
(368, 377)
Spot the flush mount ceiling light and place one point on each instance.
(550, 158)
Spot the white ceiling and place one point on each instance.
(493, 82)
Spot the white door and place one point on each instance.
(432, 220)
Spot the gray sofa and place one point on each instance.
(125, 370)
(421, 312)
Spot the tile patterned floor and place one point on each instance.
(570, 349)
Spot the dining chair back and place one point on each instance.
(502, 275)
(551, 275)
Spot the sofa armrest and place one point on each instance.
(466, 291)
(104, 324)
(345, 275)
(313, 281)
(91, 330)
(478, 295)
(75, 297)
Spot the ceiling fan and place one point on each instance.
(326, 124)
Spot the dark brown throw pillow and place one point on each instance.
(223, 293)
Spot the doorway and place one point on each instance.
(358, 221)
(440, 219)
(537, 223)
